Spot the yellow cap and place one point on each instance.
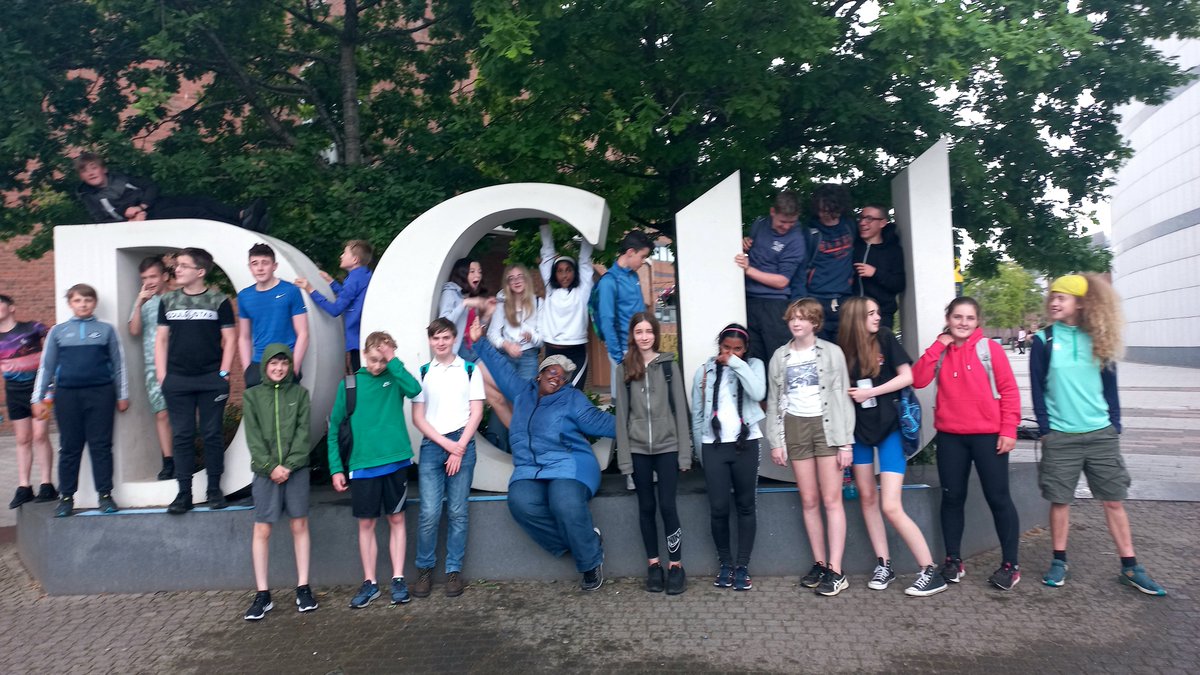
(1072, 284)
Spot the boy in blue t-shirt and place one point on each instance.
(272, 310)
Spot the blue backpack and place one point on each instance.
(908, 413)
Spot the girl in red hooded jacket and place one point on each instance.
(976, 418)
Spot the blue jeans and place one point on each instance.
(526, 364)
(555, 514)
(434, 484)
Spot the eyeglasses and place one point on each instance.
(515, 277)
(181, 266)
(863, 216)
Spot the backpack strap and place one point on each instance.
(667, 371)
(470, 365)
(351, 395)
(424, 371)
(983, 349)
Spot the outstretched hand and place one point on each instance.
(476, 330)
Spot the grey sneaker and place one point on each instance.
(884, 575)
(929, 582)
(1137, 577)
(366, 593)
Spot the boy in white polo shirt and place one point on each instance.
(447, 411)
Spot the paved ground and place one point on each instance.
(1091, 625)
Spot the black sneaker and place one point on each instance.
(1006, 577)
(724, 576)
(884, 575)
(259, 608)
(655, 579)
(953, 570)
(65, 505)
(832, 583)
(593, 579)
(929, 582)
(107, 505)
(182, 504)
(168, 469)
(216, 500)
(24, 495)
(305, 602)
(813, 578)
(46, 493)
(741, 579)
(676, 580)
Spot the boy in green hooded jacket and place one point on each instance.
(276, 416)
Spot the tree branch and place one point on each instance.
(247, 87)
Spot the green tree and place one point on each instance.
(1010, 299)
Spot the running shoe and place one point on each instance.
(1136, 576)
(655, 579)
(814, 575)
(593, 579)
(832, 583)
(368, 592)
(1006, 577)
(400, 594)
(953, 570)
(724, 576)
(24, 495)
(259, 608)
(741, 579)
(107, 505)
(305, 602)
(65, 506)
(1057, 574)
(676, 580)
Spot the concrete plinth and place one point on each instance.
(147, 550)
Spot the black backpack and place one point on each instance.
(345, 432)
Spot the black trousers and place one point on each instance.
(726, 471)
(768, 331)
(85, 415)
(194, 207)
(955, 453)
(667, 467)
(188, 396)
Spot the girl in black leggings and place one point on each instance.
(978, 408)
(725, 431)
(652, 438)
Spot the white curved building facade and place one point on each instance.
(1156, 222)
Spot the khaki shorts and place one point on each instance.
(805, 438)
(1097, 454)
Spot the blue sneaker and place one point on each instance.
(1136, 576)
(741, 579)
(1057, 574)
(368, 592)
(400, 594)
(724, 576)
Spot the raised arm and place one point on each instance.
(546, 265)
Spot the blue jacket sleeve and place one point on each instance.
(606, 317)
(1108, 377)
(1039, 359)
(507, 380)
(593, 421)
(345, 294)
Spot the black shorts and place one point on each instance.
(16, 398)
(379, 496)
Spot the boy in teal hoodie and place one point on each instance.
(377, 475)
(276, 416)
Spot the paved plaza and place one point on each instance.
(1091, 625)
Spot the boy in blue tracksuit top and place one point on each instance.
(348, 295)
(82, 358)
(619, 297)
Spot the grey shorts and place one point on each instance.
(805, 438)
(1097, 454)
(271, 500)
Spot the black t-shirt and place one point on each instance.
(195, 321)
(872, 425)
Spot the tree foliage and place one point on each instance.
(645, 102)
(1010, 299)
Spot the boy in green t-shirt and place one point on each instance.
(377, 475)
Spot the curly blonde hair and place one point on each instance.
(1101, 318)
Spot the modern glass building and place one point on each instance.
(1156, 222)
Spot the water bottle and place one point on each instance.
(849, 489)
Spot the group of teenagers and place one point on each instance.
(821, 399)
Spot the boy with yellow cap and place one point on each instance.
(1073, 378)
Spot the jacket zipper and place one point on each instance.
(528, 430)
(649, 415)
(278, 433)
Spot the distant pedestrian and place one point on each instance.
(725, 431)
(976, 415)
(1022, 336)
(1073, 380)
(654, 446)
(810, 425)
(275, 416)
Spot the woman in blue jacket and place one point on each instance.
(555, 472)
(725, 434)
